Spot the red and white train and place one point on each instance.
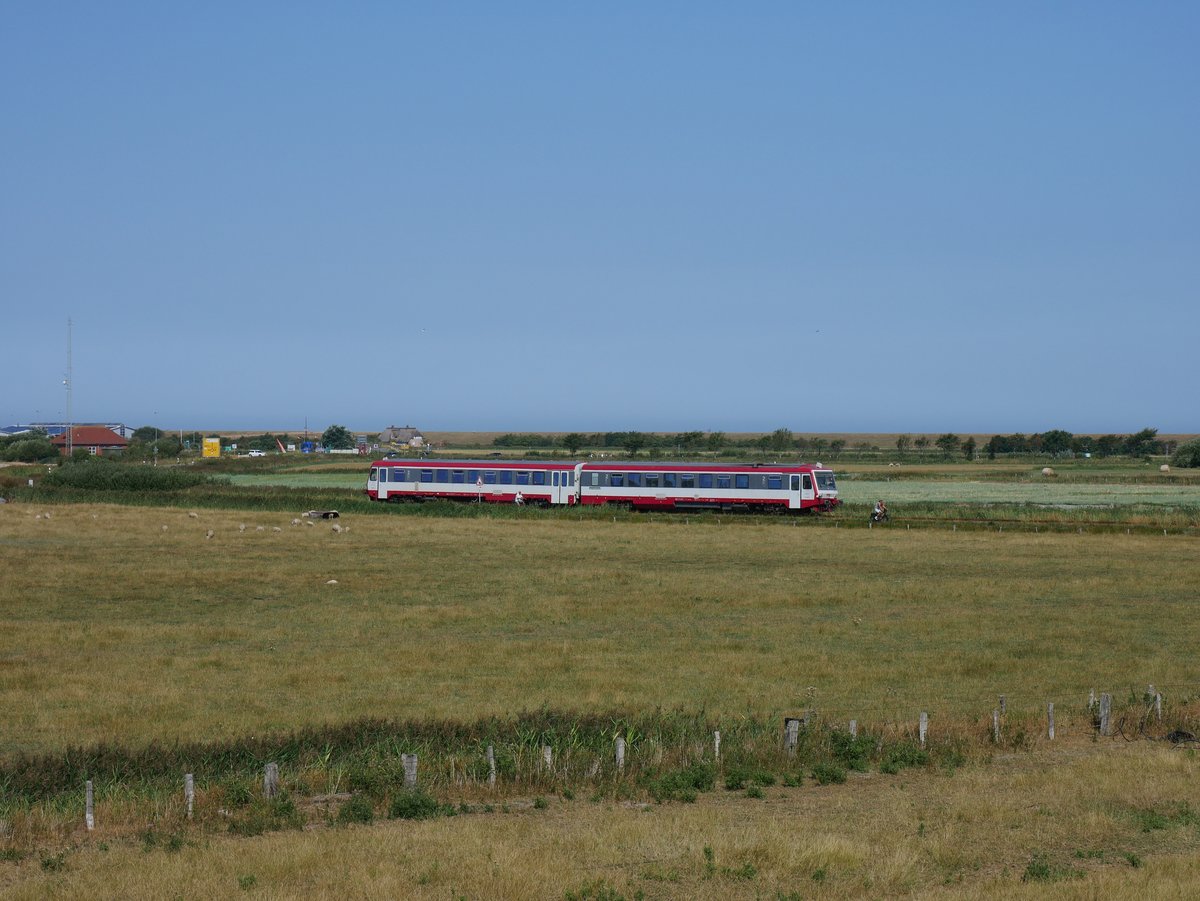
(646, 486)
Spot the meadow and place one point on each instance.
(129, 633)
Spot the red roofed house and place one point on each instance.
(97, 439)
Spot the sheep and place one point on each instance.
(164, 528)
(193, 515)
(1048, 471)
(308, 522)
(276, 529)
(1164, 468)
(335, 528)
(295, 522)
(209, 534)
(332, 582)
(241, 527)
(260, 528)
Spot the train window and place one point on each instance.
(722, 481)
(506, 477)
(489, 478)
(795, 483)
(616, 479)
(652, 480)
(687, 480)
(668, 480)
(443, 475)
(595, 479)
(426, 475)
(569, 478)
(774, 482)
(374, 476)
(556, 480)
(741, 480)
(539, 478)
(826, 482)
(522, 478)
(473, 476)
(635, 480)
(458, 477)
(706, 480)
(807, 482)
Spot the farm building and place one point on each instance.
(97, 439)
(406, 435)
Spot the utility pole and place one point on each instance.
(67, 382)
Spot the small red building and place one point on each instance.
(97, 439)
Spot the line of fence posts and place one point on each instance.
(1102, 723)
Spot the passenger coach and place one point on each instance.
(495, 481)
(694, 486)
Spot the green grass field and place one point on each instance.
(127, 626)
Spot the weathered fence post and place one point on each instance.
(791, 735)
(924, 728)
(1158, 707)
(717, 746)
(89, 809)
(854, 728)
(1106, 714)
(491, 759)
(189, 792)
(548, 758)
(1050, 720)
(620, 754)
(996, 725)
(410, 770)
(271, 780)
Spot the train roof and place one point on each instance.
(663, 466)
(494, 463)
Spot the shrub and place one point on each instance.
(1187, 455)
(357, 810)
(267, 816)
(829, 774)
(98, 474)
(682, 784)
(905, 754)
(414, 805)
(852, 751)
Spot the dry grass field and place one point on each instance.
(130, 626)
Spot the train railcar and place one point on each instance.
(495, 481)
(700, 486)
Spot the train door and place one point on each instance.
(803, 492)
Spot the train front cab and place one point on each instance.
(815, 490)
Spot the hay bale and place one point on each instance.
(1164, 468)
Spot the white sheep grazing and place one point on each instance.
(209, 534)
(295, 522)
(335, 527)
(260, 528)
(276, 529)
(331, 582)
(241, 527)
(193, 515)
(308, 522)
(164, 528)
(1048, 471)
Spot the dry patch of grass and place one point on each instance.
(1113, 821)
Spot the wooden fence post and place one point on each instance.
(854, 728)
(1158, 707)
(271, 780)
(717, 746)
(996, 725)
(89, 808)
(791, 735)
(410, 770)
(548, 758)
(924, 728)
(620, 754)
(491, 759)
(1106, 714)
(189, 792)
(1050, 720)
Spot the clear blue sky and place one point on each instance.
(916, 217)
